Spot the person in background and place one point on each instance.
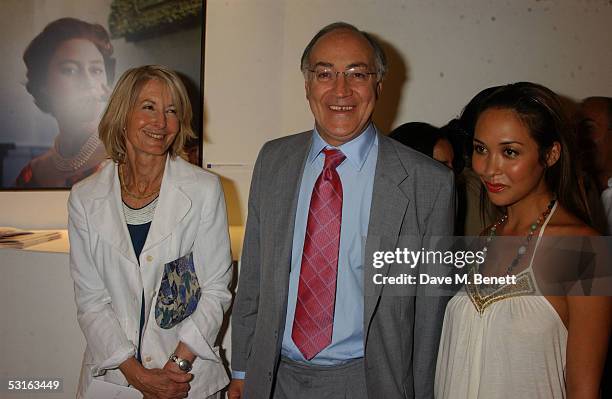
(69, 69)
(308, 323)
(595, 134)
(426, 139)
(515, 339)
(595, 126)
(149, 249)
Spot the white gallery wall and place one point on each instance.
(442, 52)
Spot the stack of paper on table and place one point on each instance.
(11, 237)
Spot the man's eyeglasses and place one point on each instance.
(353, 76)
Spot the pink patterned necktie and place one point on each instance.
(316, 298)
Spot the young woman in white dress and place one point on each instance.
(515, 341)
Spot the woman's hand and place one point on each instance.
(156, 383)
(164, 384)
(173, 367)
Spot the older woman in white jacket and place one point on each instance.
(150, 252)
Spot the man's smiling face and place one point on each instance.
(342, 109)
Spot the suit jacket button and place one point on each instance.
(147, 359)
(149, 258)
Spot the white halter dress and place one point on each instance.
(507, 344)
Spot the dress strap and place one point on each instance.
(537, 244)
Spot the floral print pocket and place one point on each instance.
(179, 292)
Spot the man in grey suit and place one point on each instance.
(308, 322)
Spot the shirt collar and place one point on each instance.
(356, 150)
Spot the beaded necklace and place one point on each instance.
(76, 162)
(523, 248)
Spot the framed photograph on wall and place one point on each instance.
(63, 59)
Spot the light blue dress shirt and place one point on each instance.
(357, 176)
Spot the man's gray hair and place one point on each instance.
(380, 58)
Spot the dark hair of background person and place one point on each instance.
(418, 135)
(379, 54)
(540, 110)
(39, 52)
(456, 137)
(423, 137)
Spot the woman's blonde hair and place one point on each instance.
(123, 99)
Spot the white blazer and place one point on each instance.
(109, 280)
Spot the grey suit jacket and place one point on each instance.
(413, 197)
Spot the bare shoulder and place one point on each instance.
(565, 223)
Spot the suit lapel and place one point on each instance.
(389, 204)
(284, 204)
(172, 207)
(108, 218)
